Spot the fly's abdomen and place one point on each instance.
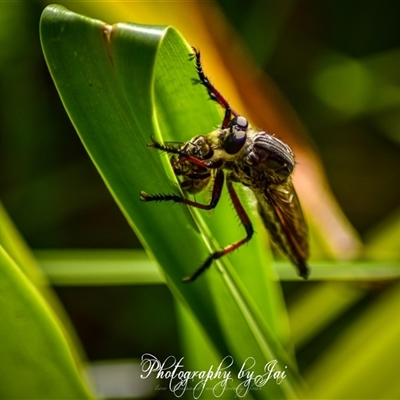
(292, 241)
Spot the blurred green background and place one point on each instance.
(337, 63)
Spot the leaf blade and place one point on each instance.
(149, 73)
(33, 344)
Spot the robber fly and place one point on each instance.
(248, 156)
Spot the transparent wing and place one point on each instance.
(290, 229)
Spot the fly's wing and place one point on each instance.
(284, 219)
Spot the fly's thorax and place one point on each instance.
(265, 152)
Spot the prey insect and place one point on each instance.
(248, 156)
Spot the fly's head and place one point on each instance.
(226, 144)
(215, 149)
(233, 138)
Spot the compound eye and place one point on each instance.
(236, 137)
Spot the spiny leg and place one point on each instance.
(213, 92)
(163, 147)
(228, 249)
(215, 196)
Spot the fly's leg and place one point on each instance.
(184, 156)
(244, 219)
(213, 92)
(163, 147)
(215, 196)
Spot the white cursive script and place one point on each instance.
(181, 380)
(251, 380)
(172, 370)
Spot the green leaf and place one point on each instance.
(362, 362)
(53, 325)
(121, 84)
(15, 246)
(383, 240)
(127, 267)
(36, 358)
